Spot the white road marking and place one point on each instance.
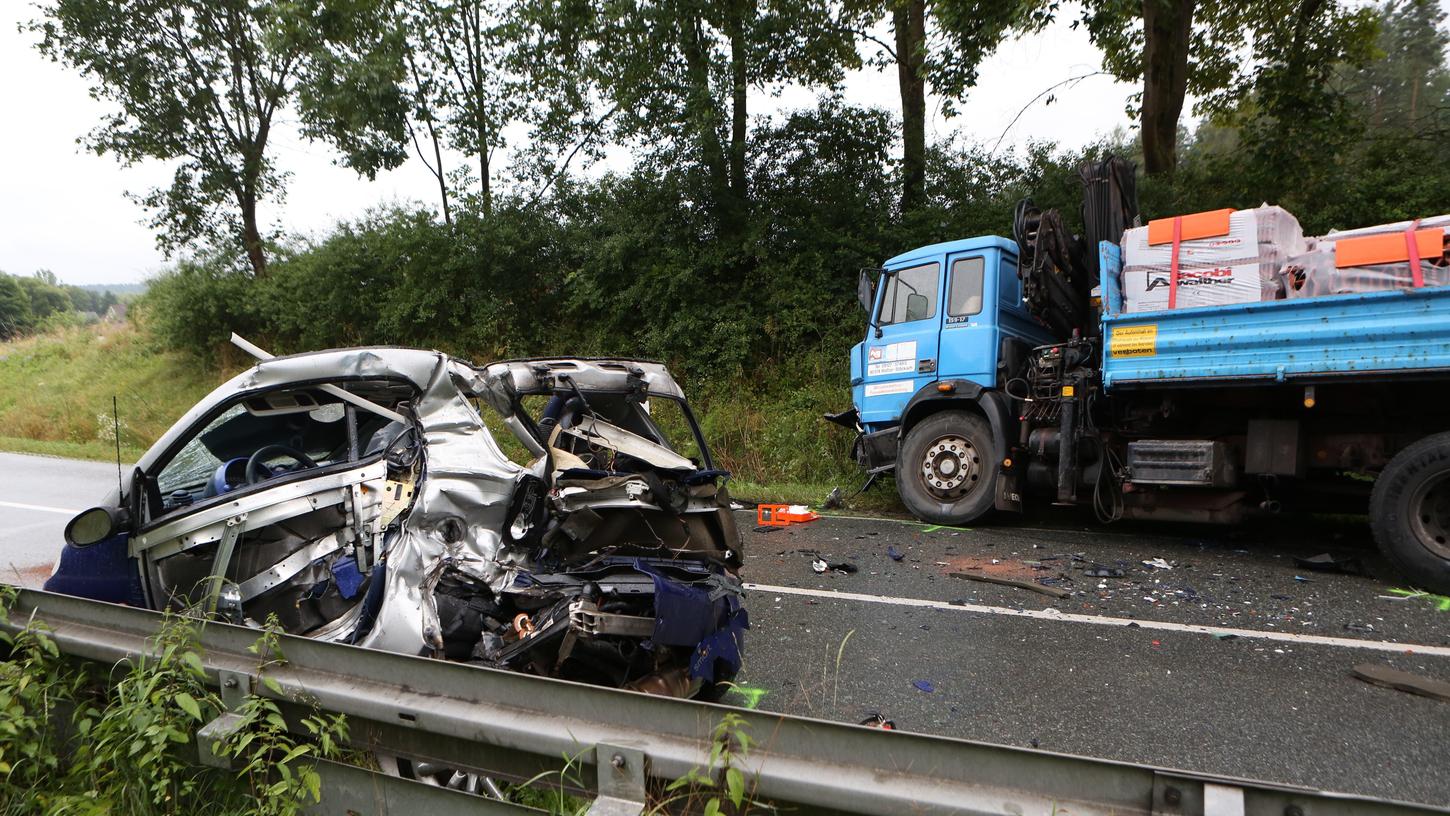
(39, 507)
(1103, 620)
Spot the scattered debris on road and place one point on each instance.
(1441, 602)
(835, 499)
(1324, 562)
(1012, 582)
(1402, 681)
(782, 515)
(1158, 563)
(893, 553)
(876, 719)
(924, 685)
(820, 566)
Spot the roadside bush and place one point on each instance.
(76, 739)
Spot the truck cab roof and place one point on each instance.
(959, 245)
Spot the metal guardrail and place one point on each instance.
(624, 744)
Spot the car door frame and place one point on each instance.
(357, 483)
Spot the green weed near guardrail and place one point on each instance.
(78, 740)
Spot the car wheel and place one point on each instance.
(947, 470)
(1409, 512)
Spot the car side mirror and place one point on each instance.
(95, 525)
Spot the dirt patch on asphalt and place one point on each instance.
(995, 567)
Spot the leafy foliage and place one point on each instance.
(201, 84)
(73, 741)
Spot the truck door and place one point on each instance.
(901, 352)
(969, 332)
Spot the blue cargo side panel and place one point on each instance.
(1396, 332)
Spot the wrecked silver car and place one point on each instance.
(359, 496)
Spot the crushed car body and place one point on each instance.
(358, 496)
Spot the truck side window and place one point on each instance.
(1009, 288)
(964, 294)
(910, 294)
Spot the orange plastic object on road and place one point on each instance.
(781, 515)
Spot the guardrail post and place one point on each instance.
(622, 773)
(213, 734)
(235, 686)
(1222, 800)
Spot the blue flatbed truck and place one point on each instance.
(1199, 414)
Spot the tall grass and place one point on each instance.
(56, 390)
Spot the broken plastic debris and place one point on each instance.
(1324, 562)
(819, 566)
(924, 685)
(835, 499)
(893, 553)
(780, 515)
(1100, 571)
(1158, 563)
(876, 719)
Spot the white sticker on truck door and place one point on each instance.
(896, 387)
(896, 358)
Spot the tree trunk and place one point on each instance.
(739, 122)
(484, 186)
(909, 21)
(704, 119)
(1166, 27)
(252, 237)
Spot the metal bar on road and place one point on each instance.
(510, 725)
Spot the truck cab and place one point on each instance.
(946, 323)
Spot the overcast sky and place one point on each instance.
(65, 210)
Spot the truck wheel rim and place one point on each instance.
(951, 467)
(1430, 509)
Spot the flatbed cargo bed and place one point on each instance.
(1376, 335)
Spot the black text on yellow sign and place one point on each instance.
(1135, 341)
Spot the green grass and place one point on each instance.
(98, 451)
(881, 499)
(56, 390)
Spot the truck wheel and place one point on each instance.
(947, 470)
(1409, 511)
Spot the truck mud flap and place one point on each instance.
(876, 452)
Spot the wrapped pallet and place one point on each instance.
(1209, 259)
(1372, 259)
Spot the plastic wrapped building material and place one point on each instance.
(1352, 261)
(1225, 256)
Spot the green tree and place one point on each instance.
(15, 316)
(462, 92)
(939, 44)
(660, 73)
(202, 84)
(45, 299)
(1219, 50)
(1407, 89)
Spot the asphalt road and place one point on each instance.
(1224, 663)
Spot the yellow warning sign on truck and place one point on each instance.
(1134, 341)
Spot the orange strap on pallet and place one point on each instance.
(1173, 265)
(1412, 248)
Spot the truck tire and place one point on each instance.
(947, 470)
(1409, 512)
